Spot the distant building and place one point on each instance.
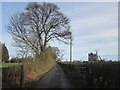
(92, 57)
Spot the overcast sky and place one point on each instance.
(94, 26)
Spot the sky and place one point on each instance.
(94, 26)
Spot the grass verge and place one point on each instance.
(5, 65)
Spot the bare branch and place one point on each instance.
(39, 24)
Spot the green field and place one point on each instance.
(3, 65)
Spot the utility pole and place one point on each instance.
(70, 48)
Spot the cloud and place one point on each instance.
(96, 22)
(107, 34)
(0, 38)
(97, 17)
(94, 26)
(106, 42)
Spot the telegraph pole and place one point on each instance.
(70, 48)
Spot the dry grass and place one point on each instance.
(36, 68)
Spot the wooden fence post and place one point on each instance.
(22, 77)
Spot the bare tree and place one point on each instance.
(23, 53)
(37, 25)
(59, 53)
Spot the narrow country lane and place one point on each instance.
(55, 78)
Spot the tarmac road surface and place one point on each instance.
(55, 78)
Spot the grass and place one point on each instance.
(4, 65)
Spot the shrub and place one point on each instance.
(11, 76)
(33, 69)
(102, 74)
(37, 67)
(4, 53)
